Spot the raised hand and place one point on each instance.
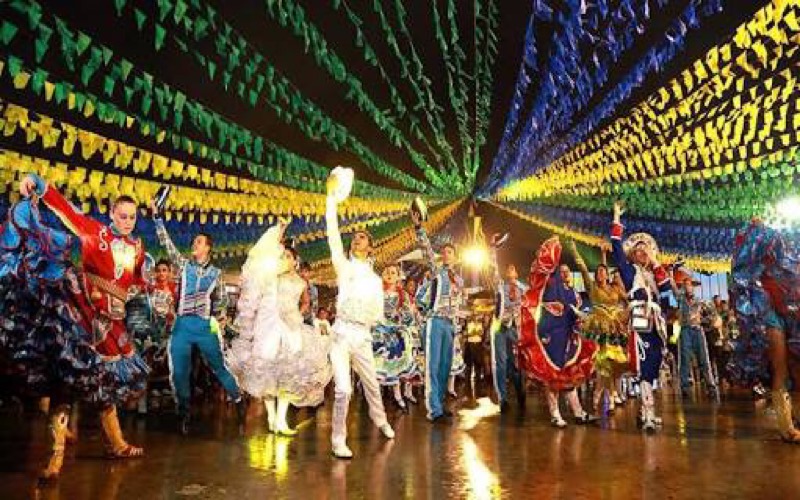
(28, 186)
(618, 210)
(416, 218)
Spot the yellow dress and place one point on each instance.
(607, 324)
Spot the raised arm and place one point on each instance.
(587, 278)
(76, 221)
(166, 242)
(338, 257)
(626, 270)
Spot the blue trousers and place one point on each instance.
(649, 355)
(195, 331)
(439, 334)
(503, 342)
(693, 345)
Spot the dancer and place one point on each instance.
(392, 338)
(550, 350)
(607, 326)
(445, 299)
(277, 357)
(359, 306)
(112, 261)
(154, 348)
(646, 283)
(765, 295)
(504, 340)
(200, 318)
(693, 343)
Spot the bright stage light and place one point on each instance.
(476, 256)
(789, 208)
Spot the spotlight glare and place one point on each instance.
(476, 256)
(789, 208)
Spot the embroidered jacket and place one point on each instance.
(200, 288)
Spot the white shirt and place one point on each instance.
(360, 297)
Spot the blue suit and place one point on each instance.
(200, 297)
(441, 299)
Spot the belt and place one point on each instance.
(109, 287)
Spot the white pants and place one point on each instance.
(352, 344)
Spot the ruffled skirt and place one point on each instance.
(608, 328)
(578, 366)
(395, 355)
(300, 375)
(42, 338)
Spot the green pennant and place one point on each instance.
(34, 15)
(40, 49)
(140, 18)
(80, 100)
(159, 38)
(7, 32)
(107, 54)
(212, 69)
(37, 81)
(108, 86)
(60, 92)
(180, 11)
(82, 43)
(226, 79)
(125, 67)
(147, 102)
(180, 101)
(119, 5)
(200, 28)
(181, 45)
(128, 93)
(164, 6)
(253, 95)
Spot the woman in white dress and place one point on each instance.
(276, 356)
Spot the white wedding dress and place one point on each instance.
(276, 355)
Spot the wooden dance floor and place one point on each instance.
(705, 450)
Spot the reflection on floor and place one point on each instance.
(705, 450)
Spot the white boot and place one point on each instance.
(340, 450)
(581, 417)
(649, 420)
(270, 404)
(451, 386)
(555, 413)
(409, 393)
(398, 398)
(281, 426)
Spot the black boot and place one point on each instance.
(241, 413)
(183, 424)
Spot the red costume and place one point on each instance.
(550, 349)
(112, 266)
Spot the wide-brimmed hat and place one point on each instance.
(637, 239)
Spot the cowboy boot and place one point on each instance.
(116, 446)
(58, 429)
(783, 410)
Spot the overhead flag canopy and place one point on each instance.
(683, 110)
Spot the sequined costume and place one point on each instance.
(606, 324)
(393, 338)
(43, 334)
(765, 293)
(112, 274)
